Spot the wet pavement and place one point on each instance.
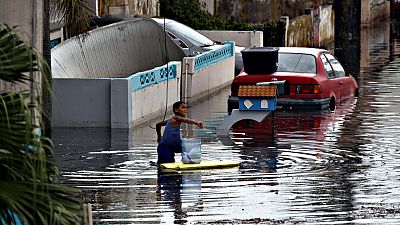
(338, 167)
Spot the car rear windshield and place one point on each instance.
(295, 62)
(195, 37)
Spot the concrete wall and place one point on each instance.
(241, 38)
(374, 10)
(116, 102)
(81, 102)
(315, 30)
(300, 32)
(133, 101)
(126, 102)
(28, 16)
(129, 8)
(152, 101)
(201, 80)
(259, 11)
(326, 26)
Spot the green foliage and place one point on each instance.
(276, 33)
(190, 13)
(28, 176)
(12, 48)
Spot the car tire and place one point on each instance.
(332, 104)
(356, 93)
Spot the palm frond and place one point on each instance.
(16, 56)
(37, 207)
(75, 14)
(28, 175)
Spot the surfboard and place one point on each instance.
(204, 164)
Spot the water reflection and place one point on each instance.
(169, 190)
(341, 168)
(181, 191)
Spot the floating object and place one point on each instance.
(204, 164)
(257, 97)
(260, 60)
(237, 115)
(191, 150)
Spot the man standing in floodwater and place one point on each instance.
(171, 141)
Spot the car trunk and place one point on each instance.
(292, 80)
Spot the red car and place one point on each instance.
(314, 79)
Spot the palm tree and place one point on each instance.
(76, 15)
(29, 189)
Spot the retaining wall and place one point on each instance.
(206, 73)
(81, 102)
(300, 32)
(315, 30)
(241, 38)
(115, 102)
(126, 102)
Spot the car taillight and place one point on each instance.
(308, 89)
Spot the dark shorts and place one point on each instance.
(166, 153)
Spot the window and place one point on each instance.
(327, 66)
(298, 63)
(185, 32)
(177, 40)
(339, 70)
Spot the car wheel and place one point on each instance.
(332, 104)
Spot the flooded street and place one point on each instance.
(340, 167)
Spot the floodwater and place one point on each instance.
(340, 167)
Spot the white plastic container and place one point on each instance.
(191, 150)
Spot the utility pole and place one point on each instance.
(347, 33)
(47, 89)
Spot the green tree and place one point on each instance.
(29, 189)
(189, 12)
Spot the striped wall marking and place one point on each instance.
(157, 75)
(214, 56)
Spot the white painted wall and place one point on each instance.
(205, 81)
(152, 101)
(241, 38)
